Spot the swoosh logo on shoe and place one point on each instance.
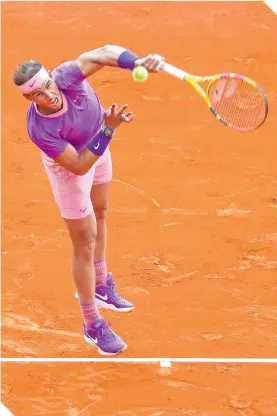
(101, 297)
(94, 340)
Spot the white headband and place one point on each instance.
(35, 82)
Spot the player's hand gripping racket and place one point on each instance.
(235, 100)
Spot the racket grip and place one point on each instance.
(172, 70)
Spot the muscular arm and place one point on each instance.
(75, 163)
(90, 62)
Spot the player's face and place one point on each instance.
(48, 98)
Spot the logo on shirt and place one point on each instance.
(76, 99)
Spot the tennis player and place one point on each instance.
(73, 132)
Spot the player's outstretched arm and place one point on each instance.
(115, 56)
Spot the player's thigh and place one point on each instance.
(71, 192)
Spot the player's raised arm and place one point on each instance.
(115, 56)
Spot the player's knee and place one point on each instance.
(84, 242)
(101, 211)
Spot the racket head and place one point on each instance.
(237, 101)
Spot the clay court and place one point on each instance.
(192, 212)
(105, 390)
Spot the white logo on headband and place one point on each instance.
(35, 82)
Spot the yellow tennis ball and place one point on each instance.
(140, 74)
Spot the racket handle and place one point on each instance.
(175, 72)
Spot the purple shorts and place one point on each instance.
(72, 192)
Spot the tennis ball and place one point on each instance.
(140, 74)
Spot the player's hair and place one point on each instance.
(26, 71)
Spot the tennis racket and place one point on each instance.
(235, 100)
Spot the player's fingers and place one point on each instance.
(158, 57)
(127, 117)
(113, 109)
(124, 117)
(158, 62)
(155, 62)
(147, 57)
(108, 111)
(139, 62)
(147, 60)
(152, 62)
(161, 65)
(122, 109)
(150, 66)
(153, 65)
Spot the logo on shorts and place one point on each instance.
(83, 210)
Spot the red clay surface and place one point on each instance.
(101, 389)
(192, 221)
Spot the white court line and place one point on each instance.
(140, 191)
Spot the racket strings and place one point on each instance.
(239, 103)
(233, 104)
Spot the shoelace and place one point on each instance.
(111, 286)
(106, 328)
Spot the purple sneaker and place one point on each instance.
(108, 298)
(101, 336)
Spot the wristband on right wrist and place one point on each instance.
(99, 143)
(127, 60)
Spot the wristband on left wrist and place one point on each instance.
(99, 143)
